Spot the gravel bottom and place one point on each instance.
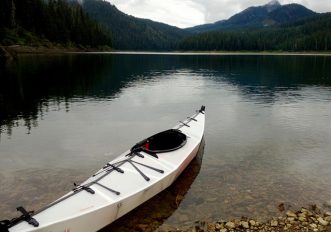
(303, 220)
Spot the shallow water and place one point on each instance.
(267, 138)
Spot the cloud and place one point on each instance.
(186, 13)
(179, 13)
(318, 6)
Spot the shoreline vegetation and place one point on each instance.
(14, 51)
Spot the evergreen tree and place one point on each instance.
(55, 20)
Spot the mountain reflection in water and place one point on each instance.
(36, 85)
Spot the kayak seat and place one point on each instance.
(164, 141)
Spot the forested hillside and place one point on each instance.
(131, 33)
(271, 14)
(39, 22)
(95, 23)
(313, 34)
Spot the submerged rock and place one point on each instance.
(252, 222)
(230, 225)
(244, 224)
(291, 214)
(322, 221)
(274, 223)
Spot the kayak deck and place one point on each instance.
(122, 185)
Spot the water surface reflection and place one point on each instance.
(268, 126)
(31, 85)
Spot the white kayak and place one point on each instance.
(121, 185)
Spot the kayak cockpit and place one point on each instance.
(164, 141)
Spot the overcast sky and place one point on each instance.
(186, 13)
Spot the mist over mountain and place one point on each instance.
(270, 14)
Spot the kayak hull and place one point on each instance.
(140, 181)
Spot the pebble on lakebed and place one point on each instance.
(302, 220)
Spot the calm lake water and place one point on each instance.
(267, 137)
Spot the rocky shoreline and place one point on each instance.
(302, 220)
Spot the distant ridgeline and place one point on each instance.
(313, 34)
(271, 27)
(44, 22)
(271, 14)
(94, 23)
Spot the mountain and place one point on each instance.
(270, 14)
(131, 33)
(310, 34)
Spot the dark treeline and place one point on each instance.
(312, 34)
(35, 22)
(131, 33)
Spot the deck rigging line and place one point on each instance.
(108, 168)
(193, 118)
